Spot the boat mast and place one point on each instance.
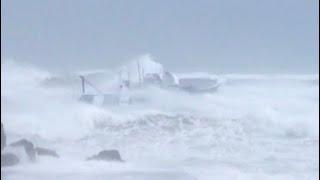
(139, 75)
(142, 72)
(83, 84)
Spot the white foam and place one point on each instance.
(259, 130)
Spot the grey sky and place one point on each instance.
(219, 36)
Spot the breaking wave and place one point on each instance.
(240, 122)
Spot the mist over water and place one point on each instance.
(254, 126)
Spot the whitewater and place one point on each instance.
(254, 127)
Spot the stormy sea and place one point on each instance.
(254, 126)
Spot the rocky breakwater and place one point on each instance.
(21, 151)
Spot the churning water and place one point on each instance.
(253, 127)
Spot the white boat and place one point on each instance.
(142, 74)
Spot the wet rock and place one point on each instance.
(28, 147)
(9, 159)
(46, 152)
(107, 155)
(3, 138)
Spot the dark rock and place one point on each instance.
(9, 159)
(46, 152)
(3, 138)
(22, 142)
(28, 147)
(107, 155)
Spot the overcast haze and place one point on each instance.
(218, 36)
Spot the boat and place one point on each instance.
(142, 74)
